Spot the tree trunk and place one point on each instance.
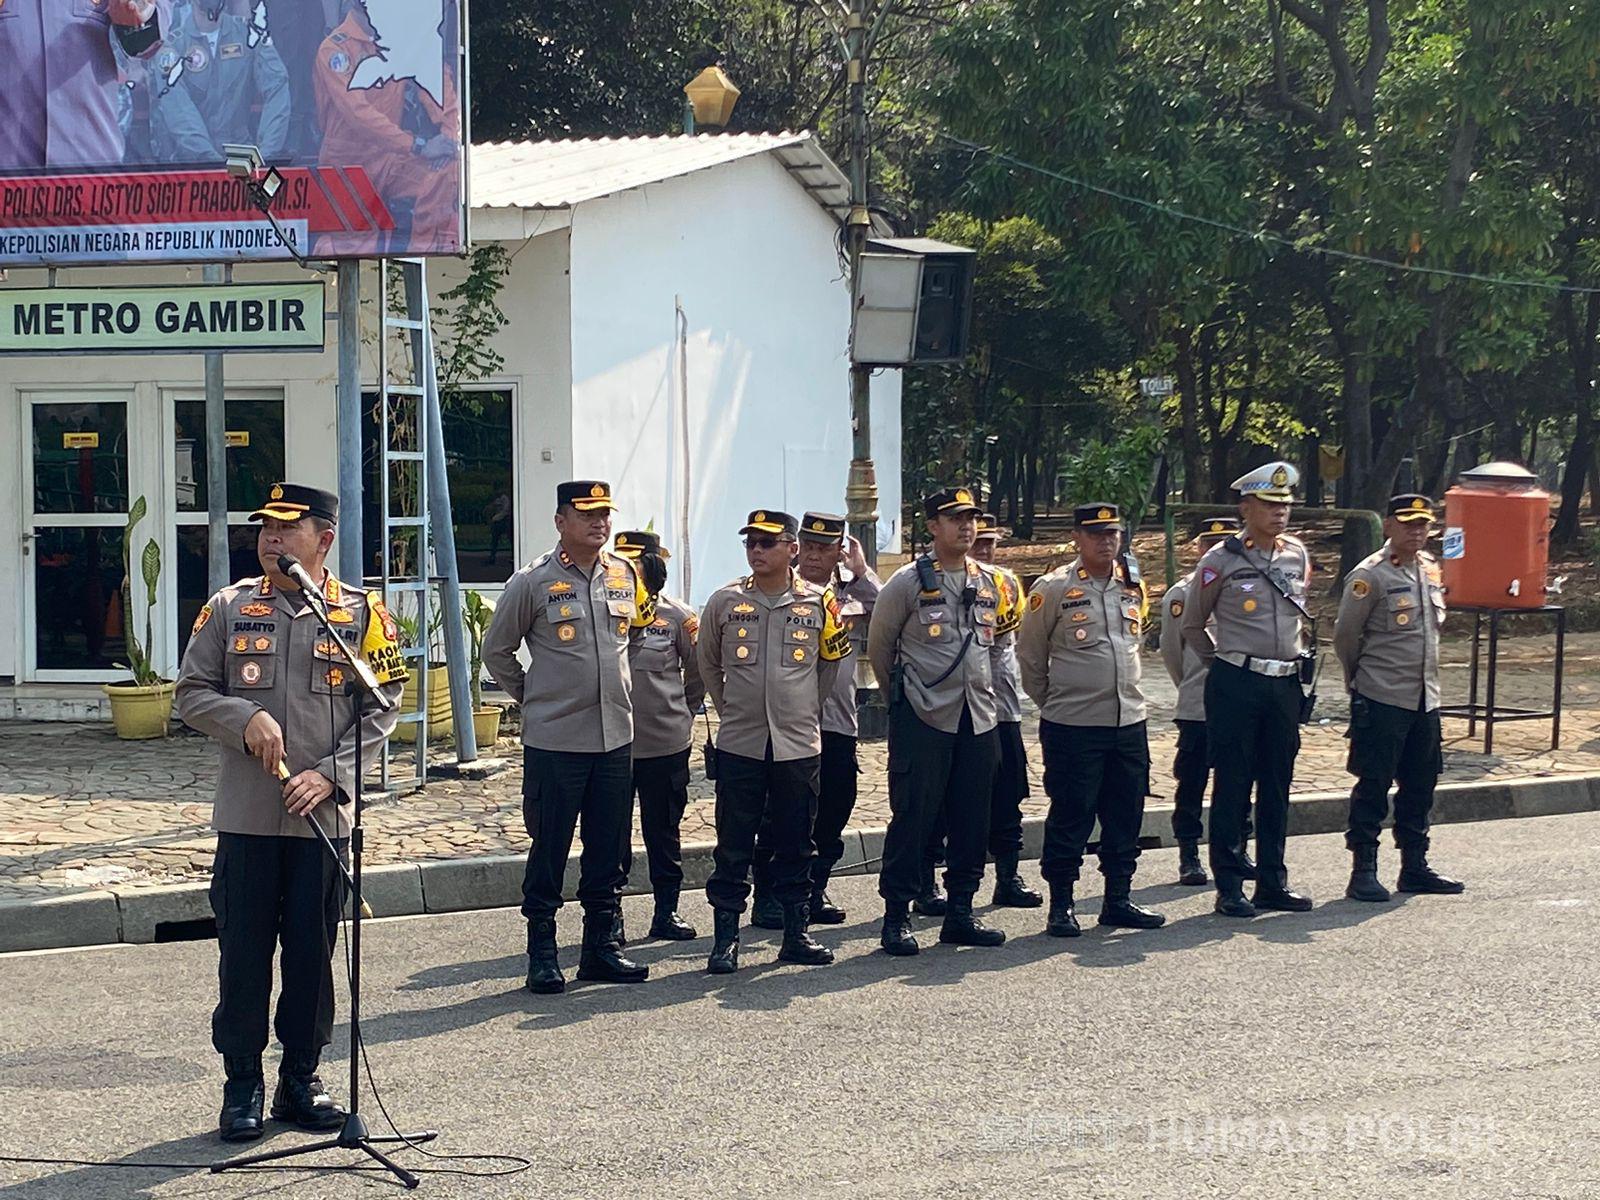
(1580, 353)
(1189, 413)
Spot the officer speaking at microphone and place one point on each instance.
(1079, 654)
(261, 678)
(1387, 640)
(1254, 585)
(667, 691)
(573, 608)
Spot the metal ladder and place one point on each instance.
(417, 531)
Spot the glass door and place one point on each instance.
(77, 488)
(255, 421)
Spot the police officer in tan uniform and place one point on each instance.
(1011, 778)
(667, 691)
(1191, 767)
(1254, 584)
(930, 639)
(574, 608)
(825, 548)
(262, 678)
(1079, 654)
(1387, 641)
(771, 645)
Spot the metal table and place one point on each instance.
(1489, 712)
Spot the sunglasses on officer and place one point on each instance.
(763, 541)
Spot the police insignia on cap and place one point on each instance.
(1104, 514)
(818, 526)
(963, 496)
(758, 518)
(597, 491)
(1419, 502)
(1218, 527)
(277, 491)
(1280, 477)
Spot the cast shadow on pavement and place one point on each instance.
(127, 1176)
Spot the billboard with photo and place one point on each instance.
(114, 116)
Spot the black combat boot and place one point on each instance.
(1119, 911)
(1247, 865)
(896, 936)
(619, 931)
(301, 1099)
(1417, 876)
(544, 967)
(602, 959)
(823, 910)
(1009, 890)
(1231, 902)
(798, 945)
(725, 942)
(961, 928)
(667, 924)
(1191, 872)
(242, 1097)
(1279, 899)
(1062, 919)
(932, 901)
(766, 913)
(1364, 883)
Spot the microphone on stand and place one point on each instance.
(290, 566)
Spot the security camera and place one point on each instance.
(244, 162)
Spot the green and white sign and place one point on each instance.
(184, 319)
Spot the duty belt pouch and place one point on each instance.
(708, 751)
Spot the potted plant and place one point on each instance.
(477, 613)
(141, 707)
(440, 714)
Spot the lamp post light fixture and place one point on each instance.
(711, 96)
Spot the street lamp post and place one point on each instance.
(861, 490)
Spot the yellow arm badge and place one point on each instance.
(1036, 601)
(644, 604)
(1359, 588)
(379, 647)
(691, 626)
(200, 621)
(835, 634)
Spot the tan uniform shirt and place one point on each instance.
(576, 694)
(1387, 632)
(856, 602)
(768, 662)
(255, 649)
(927, 633)
(1079, 647)
(1184, 666)
(1251, 616)
(1003, 654)
(666, 681)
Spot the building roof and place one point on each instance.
(562, 174)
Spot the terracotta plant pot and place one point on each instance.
(439, 710)
(140, 712)
(486, 726)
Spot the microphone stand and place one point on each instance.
(353, 1135)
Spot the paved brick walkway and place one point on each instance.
(80, 810)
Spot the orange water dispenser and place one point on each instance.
(1496, 538)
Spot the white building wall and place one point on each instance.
(751, 259)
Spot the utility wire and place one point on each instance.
(1261, 236)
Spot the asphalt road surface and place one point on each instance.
(1435, 1047)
